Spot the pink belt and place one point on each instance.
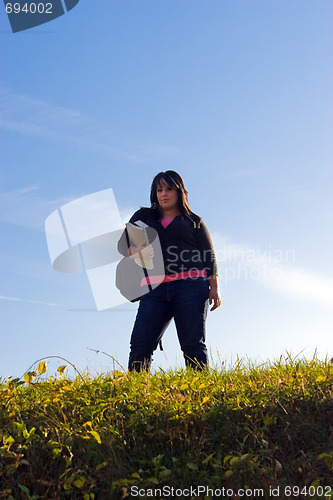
(194, 273)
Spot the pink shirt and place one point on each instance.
(165, 222)
(194, 273)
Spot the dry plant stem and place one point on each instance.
(109, 355)
(53, 357)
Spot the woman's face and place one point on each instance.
(167, 196)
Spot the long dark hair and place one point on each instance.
(173, 179)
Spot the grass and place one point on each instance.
(250, 427)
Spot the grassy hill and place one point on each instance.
(241, 432)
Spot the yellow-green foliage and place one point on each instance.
(94, 438)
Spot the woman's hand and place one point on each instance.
(214, 294)
(147, 251)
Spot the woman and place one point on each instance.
(190, 280)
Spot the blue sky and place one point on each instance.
(235, 96)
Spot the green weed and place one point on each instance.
(245, 426)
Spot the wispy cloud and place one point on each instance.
(27, 207)
(274, 269)
(37, 118)
(300, 192)
(240, 172)
(300, 283)
(244, 172)
(40, 302)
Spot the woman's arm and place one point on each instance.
(205, 245)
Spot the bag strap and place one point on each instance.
(142, 262)
(146, 275)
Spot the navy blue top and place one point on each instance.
(186, 243)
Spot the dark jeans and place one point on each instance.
(184, 300)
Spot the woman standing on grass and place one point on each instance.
(190, 280)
